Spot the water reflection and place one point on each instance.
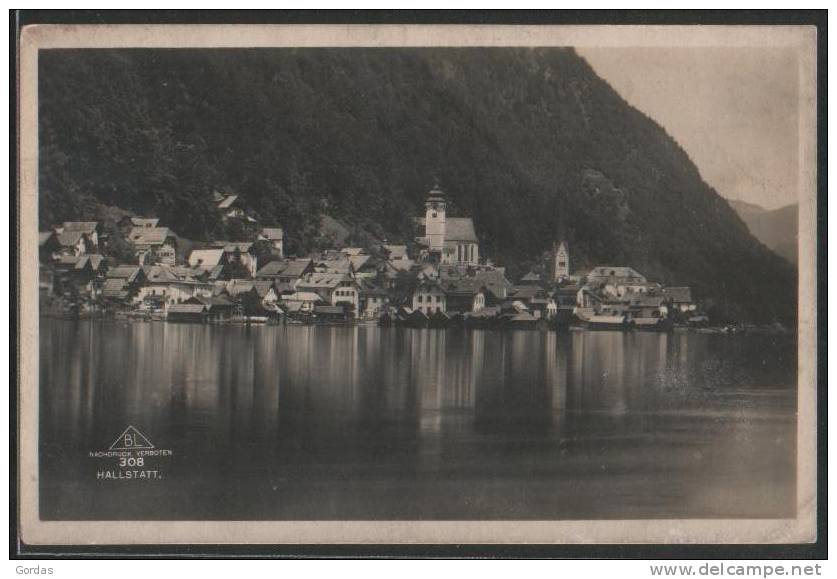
(352, 422)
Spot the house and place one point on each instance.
(464, 295)
(73, 242)
(616, 282)
(238, 253)
(122, 283)
(472, 288)
(364, 266)
(216, 308)
(374, 300)
(429, 297)
(329, 313)
(334, 262)
(396, 252)
(263, 290)
(565, 296)
(166, 286)
(527, 293)
(647, 306)
(275, 236)
(83, 273)
(190, 313)
(333, 288)
(230, 206)
(301, 303)
(286, 272)
(452, 240)
(206, 259)
(680, 298)
(531, 279)
(90, 230)
(153, 245)
(561, 265)
(272, 269)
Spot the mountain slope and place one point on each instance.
(777, 228)
(531, 142)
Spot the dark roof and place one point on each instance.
(69, 238)
(272, 268)
(239, 286)
(460, 229)
(322, 280)
(617, 272)
(87, 227)
(128, 272)
(359, 261)
(370, 289)
(526, 292)
(296, 267)
(114, 288)
(681, 295)
(272, 233)
(186, 309)
(467, 279)
(262, 287)
(150, 235)
(329, 310)
(462, 286)
(284, 287)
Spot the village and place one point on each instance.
(441, 280)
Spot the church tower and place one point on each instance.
(562, 262)
(434, 220)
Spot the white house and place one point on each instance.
(429, 297)
(333, 288)
(276, 237)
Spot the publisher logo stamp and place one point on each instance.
(131, 456)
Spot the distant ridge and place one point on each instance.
(778, 229)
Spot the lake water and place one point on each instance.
(302, 422)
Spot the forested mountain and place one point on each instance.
(778, 229)
(530, 142)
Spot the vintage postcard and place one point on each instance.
(417, 284)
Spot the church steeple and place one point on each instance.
(562, 261)
(434, 219)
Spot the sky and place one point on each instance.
(734, 111)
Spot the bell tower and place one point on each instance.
(562, 262)
(434, 220)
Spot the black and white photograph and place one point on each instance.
(418, 284)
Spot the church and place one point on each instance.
(452, 239)
(561, 269)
